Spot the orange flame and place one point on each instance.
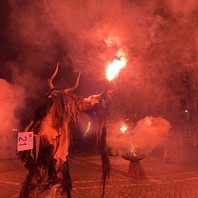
(114, 68)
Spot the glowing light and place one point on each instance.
(148, 122)
(88, 127)
(114, 68)
(123, 128)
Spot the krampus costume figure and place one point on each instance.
(52, 123)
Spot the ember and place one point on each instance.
(134, 151)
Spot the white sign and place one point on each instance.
(25, 141)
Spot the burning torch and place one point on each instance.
(116, 66)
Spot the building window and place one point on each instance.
(196, 104)
(183, 104)
(195, 82)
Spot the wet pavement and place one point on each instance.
(178, 180)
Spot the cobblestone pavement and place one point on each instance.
(178, 180)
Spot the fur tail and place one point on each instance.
(105, 159)
(67, 182)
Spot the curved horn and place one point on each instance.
(75, 86)
(49, 82)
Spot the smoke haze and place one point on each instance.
(11, 99)
(37, 34)
(147, 135)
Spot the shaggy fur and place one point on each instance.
(51, 123)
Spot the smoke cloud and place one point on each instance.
(158, 37)
(11, 99)
(147, 135)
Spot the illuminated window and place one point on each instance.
(183, 104)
